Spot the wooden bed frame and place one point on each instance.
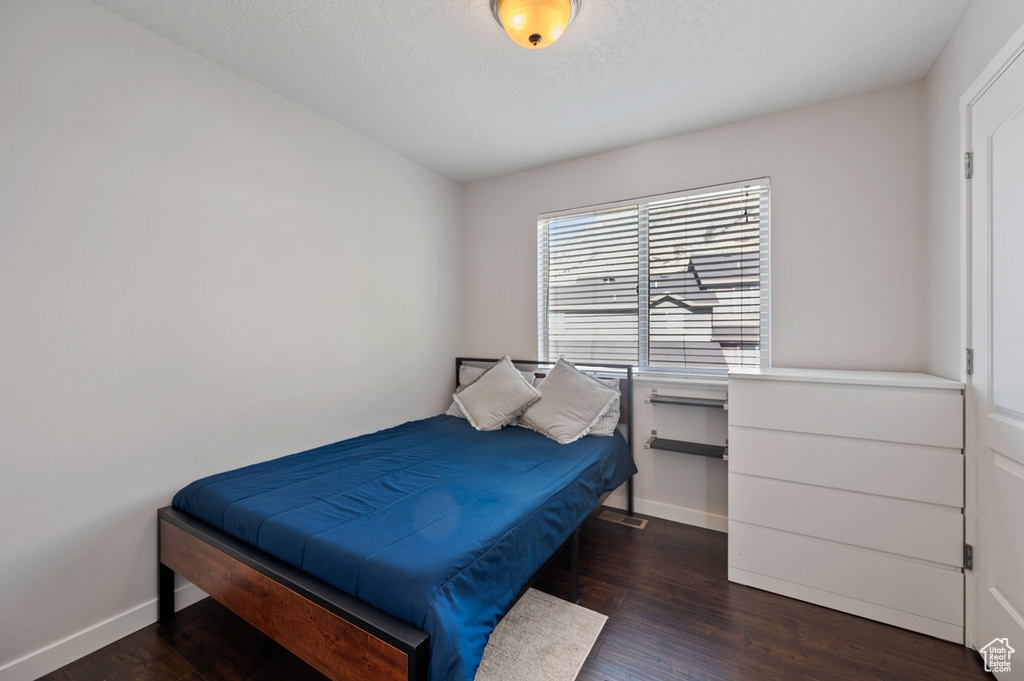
(341, 636)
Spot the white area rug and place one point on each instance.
(542, 638)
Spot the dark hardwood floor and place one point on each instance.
(672, 614)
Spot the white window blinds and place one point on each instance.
(678, 281)
(589, 265)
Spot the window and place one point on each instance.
(677, 281)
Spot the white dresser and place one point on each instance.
(846, 490)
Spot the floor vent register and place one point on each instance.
(623, 519)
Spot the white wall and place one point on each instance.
(848, 263)
(191, 278)
(981, 33)
(848, 217)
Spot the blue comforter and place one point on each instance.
(432, 521)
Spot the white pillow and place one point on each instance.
(469, 373)
(498, 396)
(571, 404)
(609, 421)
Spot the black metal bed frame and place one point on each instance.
(214, 561)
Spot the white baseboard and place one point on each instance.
(678, 514)
(91, 639)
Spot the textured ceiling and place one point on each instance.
(439, 82)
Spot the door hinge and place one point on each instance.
(969, 361)
(968, 557)
(969, 165)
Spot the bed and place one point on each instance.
(394, 554)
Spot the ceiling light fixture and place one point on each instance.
(535, 23)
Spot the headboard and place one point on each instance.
(623, 372)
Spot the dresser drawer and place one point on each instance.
(887, 413)
(919, 472)
(907, 528)
(905, 593)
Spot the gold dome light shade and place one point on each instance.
(534, 23)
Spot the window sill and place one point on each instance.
(660, 378)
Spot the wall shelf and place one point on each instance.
(655, 398)
(683, 447)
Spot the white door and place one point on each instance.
(995, 446)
